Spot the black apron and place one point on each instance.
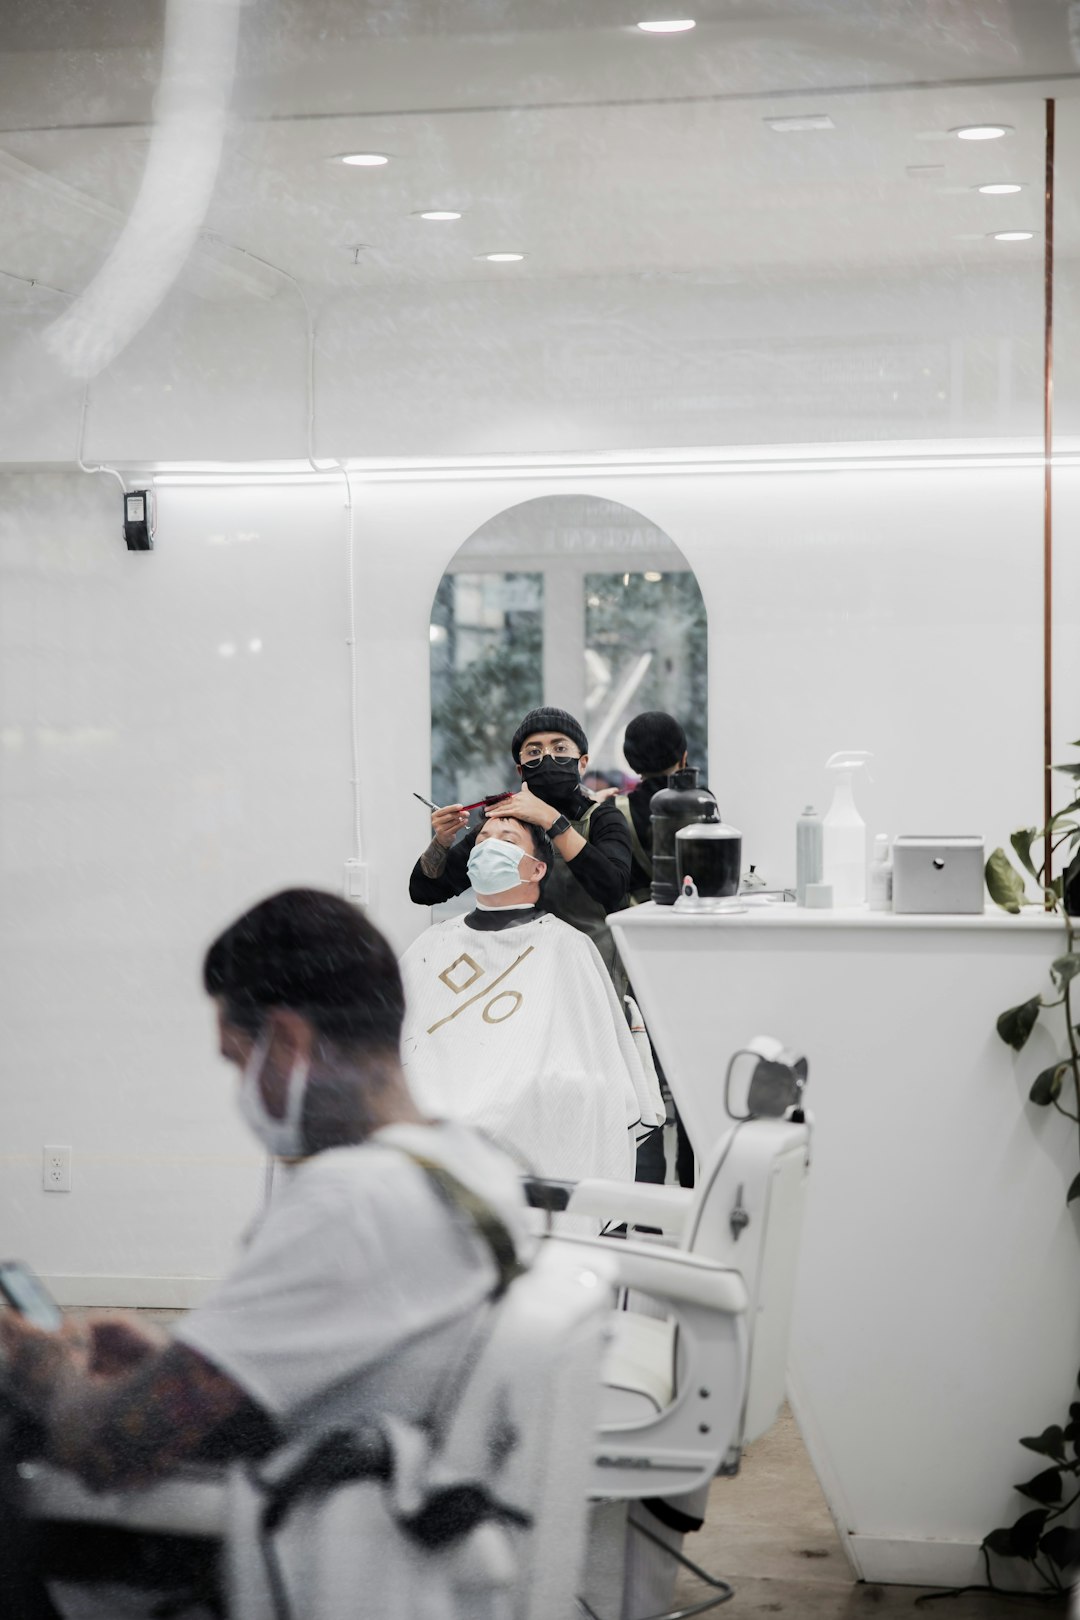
(638, 897)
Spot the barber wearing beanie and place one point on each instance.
(592, 840)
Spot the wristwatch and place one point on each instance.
(558, 827)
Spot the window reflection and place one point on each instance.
(645, 648)
(486, 661)
(525, 616)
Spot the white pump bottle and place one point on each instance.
(844, 832)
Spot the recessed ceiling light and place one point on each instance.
(1002, 189)
(501, 258)
(653, 578)
(365, 160)
(981, 132)
(670, 25)
(1012, 236)
(792, 126)
(437, 213)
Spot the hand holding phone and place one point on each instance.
(27, 1294)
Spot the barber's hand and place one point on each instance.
(120, 1343)
(448, 822)
(525, 806)
(37, 1359)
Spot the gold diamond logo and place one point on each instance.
(453, 976)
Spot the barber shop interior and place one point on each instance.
(539, 809)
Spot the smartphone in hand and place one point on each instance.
(27, 1294)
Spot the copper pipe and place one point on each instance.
(1048, 531)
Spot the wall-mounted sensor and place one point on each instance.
(139, 519)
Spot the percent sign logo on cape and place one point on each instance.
(464, 980)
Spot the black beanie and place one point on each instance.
(654, 742)
(548, 720)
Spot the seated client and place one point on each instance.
(513, 1026)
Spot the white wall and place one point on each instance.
(532, 364)
(152, 787)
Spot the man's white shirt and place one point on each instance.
(355, 1255)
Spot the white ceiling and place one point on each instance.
(558, 129)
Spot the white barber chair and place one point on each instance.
(684, 1395)
(520, 1427)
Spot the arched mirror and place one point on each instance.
(571, 600)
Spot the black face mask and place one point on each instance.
(556, 781)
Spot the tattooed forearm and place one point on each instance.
(433, 859)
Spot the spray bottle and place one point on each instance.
(845, 832)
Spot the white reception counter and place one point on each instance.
(937, 1315)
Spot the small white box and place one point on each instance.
(938, 874)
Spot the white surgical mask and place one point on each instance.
(493, 866)
(283, 1137)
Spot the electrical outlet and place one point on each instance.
(357, 884)
(56, 1168)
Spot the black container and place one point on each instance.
(710, 852)
(675, 806)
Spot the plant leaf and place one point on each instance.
(1045, 1088)
(1015, 1025)
(1044, 1487)
(1026, 1532)
(1004, 883)
(1061, 1545)
(1051, 1443)
(1074, 1189)
(1021, 841)
(1065, 968)
(1000, 1541)
(1068, 770)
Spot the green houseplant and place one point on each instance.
(1044, 1536)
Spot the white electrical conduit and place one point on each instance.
(191, 107)
(100, 468)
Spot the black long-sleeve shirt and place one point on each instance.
(602, 867)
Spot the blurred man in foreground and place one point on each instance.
(388, 1229)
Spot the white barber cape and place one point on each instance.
(518, 1032)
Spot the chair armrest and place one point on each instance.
(684, 1279)
(190, 1502)
(639, 1203)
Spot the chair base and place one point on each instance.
(724, 1591)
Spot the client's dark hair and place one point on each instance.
(543, 848)
(317, 955)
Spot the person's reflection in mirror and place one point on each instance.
(591, 840)
(654, 746)
(513, 1025)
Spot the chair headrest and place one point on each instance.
(776, 1084)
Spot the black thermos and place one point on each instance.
(675, 806)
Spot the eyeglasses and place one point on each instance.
(533, 753)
